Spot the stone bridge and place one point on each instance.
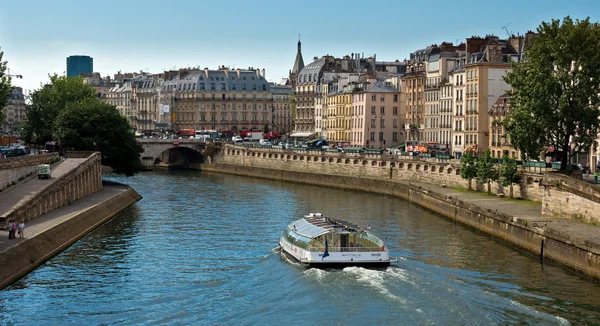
(181, 152)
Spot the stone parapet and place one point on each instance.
(391, 167)
(15, 168)
(567, 197)
(83, 180)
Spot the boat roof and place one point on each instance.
(316, 224)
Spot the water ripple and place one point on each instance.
(199, 249)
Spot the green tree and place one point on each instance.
(555, 101)
(48, 101)
(266, 129)
(468, 166)
(509, 173)
(95, 126)
(5, 88)
(486, 171)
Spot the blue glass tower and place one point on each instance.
(79, 64)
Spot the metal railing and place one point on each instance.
(344, 249)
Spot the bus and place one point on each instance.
(207, 135)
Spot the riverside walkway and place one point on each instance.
(524, 210)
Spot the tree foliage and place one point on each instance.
(95, 126)
(47, 103)
(509, 173)
(468, 166)
(555, 100)
(5, 88)
(486, 171)
(266, 128)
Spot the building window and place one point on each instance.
(395, 110)
(254, 97)
(223, 86)
(212, 86)
(254, 117)
(233, 117)
(380, 136)
(395, 97)
(373, 110)
(214, 106)
(395, 123)
(372, 136)
(382, 123)
(374, 98)
(244, 117)
(264, 117)
(244, 106)
(213, 117)
(254, 107)
(382, 110)
(212, 97)
(394, 136)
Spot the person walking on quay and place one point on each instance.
(596, 176)
(22, 229)
(12, 228)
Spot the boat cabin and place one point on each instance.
(315, 230)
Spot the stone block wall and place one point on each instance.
(416, 169)
(14, 168)
(80, 182)
(570, 198)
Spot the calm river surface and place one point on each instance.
(198, 250)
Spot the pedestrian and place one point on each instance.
(22, 229)
(13, 229)
(596, 176)
(10, 229)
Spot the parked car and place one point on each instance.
(237, 139)
(264, 142)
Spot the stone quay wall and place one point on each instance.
(17, 261)
(580, 256)
(14, 168)
(80, 182)
(386, 167)
(571, 198)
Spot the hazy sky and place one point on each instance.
(127, 35)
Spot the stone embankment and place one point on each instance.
(15, 169)
(57, 211)
(520, 222)
(51, 233)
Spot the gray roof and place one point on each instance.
(311, 72)
(381, 87)
(196, 79)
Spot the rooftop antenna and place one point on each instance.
(506, 29)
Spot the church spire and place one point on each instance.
(299, 62)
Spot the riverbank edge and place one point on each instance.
(24, 257)
(576, 254)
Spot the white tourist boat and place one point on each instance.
(320, 241)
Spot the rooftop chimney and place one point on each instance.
(263, 74)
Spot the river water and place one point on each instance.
(198, 250)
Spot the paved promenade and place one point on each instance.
(22, 191)
(522, 209)
(57, 216)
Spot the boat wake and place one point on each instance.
(376, 279)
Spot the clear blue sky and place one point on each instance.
(127, 35)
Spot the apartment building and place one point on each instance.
(488, 60)
(283, 122)
(457, 78)
(413, 83)
(220, 99)
(500, 144)
(377, 118)
(15, 111)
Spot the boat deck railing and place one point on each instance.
(345, 249)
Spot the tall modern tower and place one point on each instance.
(79, 64)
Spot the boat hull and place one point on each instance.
(335, 259)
